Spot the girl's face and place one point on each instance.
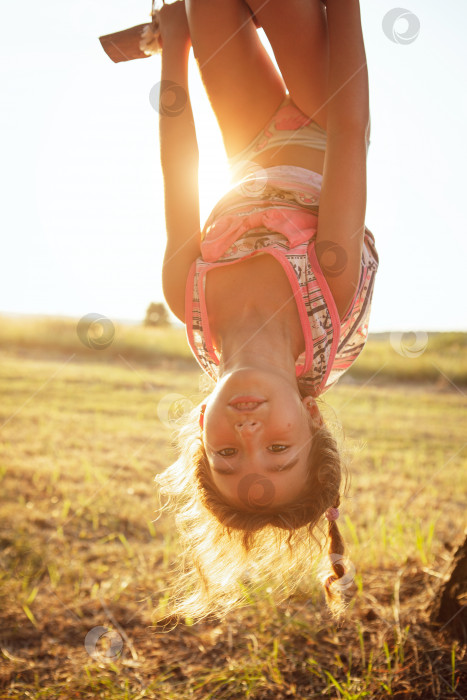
(257, 436)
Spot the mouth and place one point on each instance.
(246, 403)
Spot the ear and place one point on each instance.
(312, 408)
(201, 415)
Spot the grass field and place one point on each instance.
(82, 568)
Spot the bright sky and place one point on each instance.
(82, 215)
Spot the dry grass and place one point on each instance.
(81, 441)
(412, 357)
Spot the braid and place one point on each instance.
(328, 457)
(335, 551)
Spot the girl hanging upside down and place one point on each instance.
(275, 290)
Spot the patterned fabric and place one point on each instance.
(288, 126)
(275, 211)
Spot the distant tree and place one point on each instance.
(157, 315)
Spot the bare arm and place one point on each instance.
(342, 208)
(179, 158)
(348, 92)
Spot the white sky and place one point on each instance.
(82, 217)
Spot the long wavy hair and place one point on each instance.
(227, 552)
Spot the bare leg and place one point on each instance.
(241, 81)
(297, 32)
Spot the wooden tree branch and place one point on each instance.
(449, 608)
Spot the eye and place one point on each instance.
(278, 448)
(227, 452)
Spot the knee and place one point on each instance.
(218, 11)
(213, 22)
(204, 5)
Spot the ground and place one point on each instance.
(83, 566)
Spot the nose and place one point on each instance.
(247, 427)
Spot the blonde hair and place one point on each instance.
(224, 547)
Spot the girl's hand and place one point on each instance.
(173, 24)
